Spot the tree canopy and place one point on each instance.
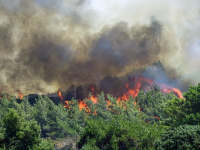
(151, 120)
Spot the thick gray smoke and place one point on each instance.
(46, 44)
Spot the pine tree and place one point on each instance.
(185, 137)
(21, 134)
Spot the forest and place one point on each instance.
(99, 74)
(151, 120)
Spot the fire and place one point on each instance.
(138, 82)
(67, 104)
(82, 105)
(20, 95)
(126, 85)
(176, 91)
(108, 103)
(157, 118)
(92, 89)
(131, 91)
(95, 113)
(94, 99)
(60, 95)
(135, 103)
(135, 90)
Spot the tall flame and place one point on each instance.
(135, 90)
(60, 95)
(20, 95)
(94, 99)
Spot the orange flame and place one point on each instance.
(60, 95)
(94, 99)
(67, 104)
(157, 118)
(167, 89)
(126, 85)
(92, 89)
(138, 81)
(131, 91)
(20, 95)
(82, 105)
(135, 90)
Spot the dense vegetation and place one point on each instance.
(152, 120)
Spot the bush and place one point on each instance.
(185, 137)
(119, 134)
(21, 134)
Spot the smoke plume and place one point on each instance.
(47, 44)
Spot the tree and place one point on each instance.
(152, 104)
(185, 137)
(53, 119)
(184, 111)
(21, 134)
(118, 134)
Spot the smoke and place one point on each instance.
(46, 44)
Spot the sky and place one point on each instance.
(181, 18)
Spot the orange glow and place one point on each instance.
(109, 103)
(92, 89)
(167, 89)
(126, 85)
(20, 95)
(60, 95)
(67, 104)
(135, 103)
(131, 91)
(94, 99)
(138, 81)
(157, 118)
(95, 113)
(82, 105)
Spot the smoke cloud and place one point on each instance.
(46, 44)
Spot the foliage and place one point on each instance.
(108, 124)
(76, 117)
(152, 104)
(184, 111)
(52, 118)
(185, 137)
(21, 134)
(118, 134)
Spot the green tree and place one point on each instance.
(152, 104)
(175, 112)
(118, 134)
(184, 111)
(185, 137)
(21, 134)
(75, 116)
(53, 119)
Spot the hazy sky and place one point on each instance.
(32, 31)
